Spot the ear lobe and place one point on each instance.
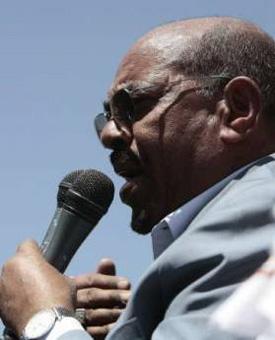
(240, 110)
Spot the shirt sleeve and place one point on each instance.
(68, 328)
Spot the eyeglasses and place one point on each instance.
(121, 108)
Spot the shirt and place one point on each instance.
(174, 224)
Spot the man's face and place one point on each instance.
(160, 152)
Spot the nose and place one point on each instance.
(115, 137)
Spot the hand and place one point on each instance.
(104, 296)
(29, 284)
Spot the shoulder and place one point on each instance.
(248, 197)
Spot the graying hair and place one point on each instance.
(224, 49)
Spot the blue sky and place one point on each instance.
(58, 58)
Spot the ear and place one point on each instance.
(240, 109)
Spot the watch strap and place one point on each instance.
(61, 312)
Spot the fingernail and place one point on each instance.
(123, 284)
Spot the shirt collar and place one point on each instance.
(174, 224)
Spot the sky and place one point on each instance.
(57, 60)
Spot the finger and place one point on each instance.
(101, 281)
(28, 247)
(107, 267)
(101, 316)
(100, 298)
(99, 332)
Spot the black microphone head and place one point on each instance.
(65, 185)
(90, 195)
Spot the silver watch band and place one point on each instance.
(61, 312)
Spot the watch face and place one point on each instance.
(40, 324)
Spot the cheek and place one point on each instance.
(148, 145)
(146, 139)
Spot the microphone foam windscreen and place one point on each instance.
(95, 187)
(66, 184)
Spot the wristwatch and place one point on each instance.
(43, 322)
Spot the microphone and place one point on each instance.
(84, 196)
(63, 187)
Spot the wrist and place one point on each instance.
(42, 322)
(29, 311)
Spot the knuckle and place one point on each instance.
(118, 296)
(112, 297)
(92, 295)
(91, 279)
(112, 316)
(89, 315)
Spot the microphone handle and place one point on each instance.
(64, 236)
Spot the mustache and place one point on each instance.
(125, 161)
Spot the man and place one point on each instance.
(190, 122)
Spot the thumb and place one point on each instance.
(106, 267)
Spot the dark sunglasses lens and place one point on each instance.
(122, 107)
(99, 123)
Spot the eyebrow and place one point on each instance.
(142, 87)
(136, 88)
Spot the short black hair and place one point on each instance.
(225, 49)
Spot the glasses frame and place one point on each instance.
(103, 118)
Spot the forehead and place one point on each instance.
(149, 60)
(140, 69)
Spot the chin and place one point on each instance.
(141, 222)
